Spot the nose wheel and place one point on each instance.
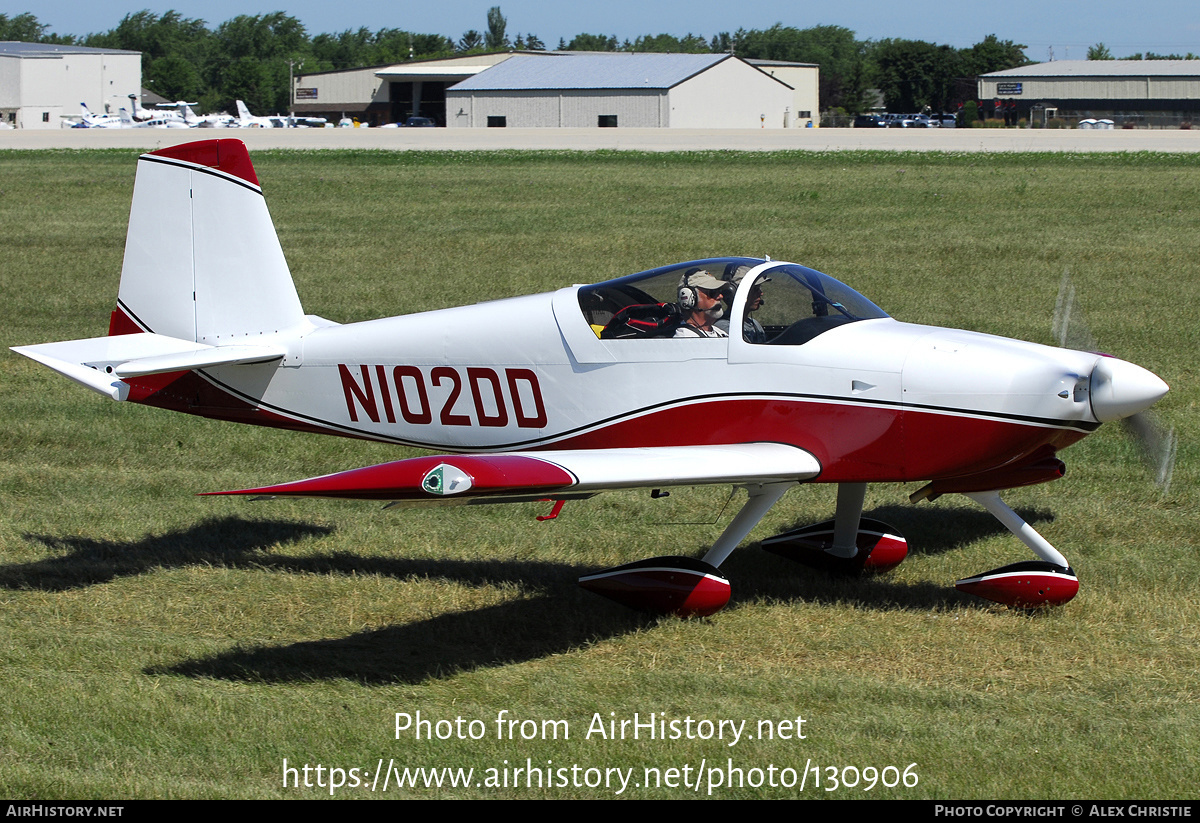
(1028, 585)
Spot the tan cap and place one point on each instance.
(700, 279)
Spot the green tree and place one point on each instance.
(175, 78)
(721, 43)
(261, 37)
(592, 42)
(342, 51)
(432, 45)
(249, 60)
(23, 28)
(156, 36)
(913, 74)
(497, 36)
(992, 54)
(176, 51)
(354, 49)
(970, 113)
(26, 28)
(396, 46)
(253, 82)
(470, 41)
(1099, 52)
(688, 44)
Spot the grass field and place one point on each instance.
(157, 644)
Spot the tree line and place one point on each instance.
(1101, 52)
(249, 57)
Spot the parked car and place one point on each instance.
(869, 121)
(418, 122)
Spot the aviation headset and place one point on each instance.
(689, 297)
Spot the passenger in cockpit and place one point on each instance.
(752, 330)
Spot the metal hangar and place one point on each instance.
(589, 90)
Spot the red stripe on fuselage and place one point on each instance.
(189, 393)
(120, 323)
(854, 443)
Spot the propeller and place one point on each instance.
(1156, 443)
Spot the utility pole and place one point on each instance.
(292, 88)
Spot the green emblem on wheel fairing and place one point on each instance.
(446, 479)
(433, 481)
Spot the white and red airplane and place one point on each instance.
(563, 395)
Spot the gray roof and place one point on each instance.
(591, 71)
(754, 61)
(14, 48)
(1104, 68)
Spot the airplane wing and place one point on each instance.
(556, 475)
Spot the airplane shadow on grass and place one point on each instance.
(85, 561)
(556, 616)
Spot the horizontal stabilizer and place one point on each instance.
(94, 379)
(448, 478)
(200, 358)
(101, 363)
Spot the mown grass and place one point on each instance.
(163, 645)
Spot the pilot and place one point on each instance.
(700, 296)
(752, 330)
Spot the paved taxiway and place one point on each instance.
(947, 140)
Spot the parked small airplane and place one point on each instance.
(245, 120)
(162, 120)
(123, 119)
(623, 384)
(183, 110)
(90, 120)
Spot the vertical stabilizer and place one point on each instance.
(202, 260)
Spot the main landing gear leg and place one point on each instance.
(1046, 582)
(762, 498)
(685, 586)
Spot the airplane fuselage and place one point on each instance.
(874, 400)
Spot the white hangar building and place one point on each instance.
(39, 82)
(804, 78)
(1140, 88)
(588, 90)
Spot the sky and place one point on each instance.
(1061, 29)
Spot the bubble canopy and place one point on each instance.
(786, 304)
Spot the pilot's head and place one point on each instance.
(699, 291)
